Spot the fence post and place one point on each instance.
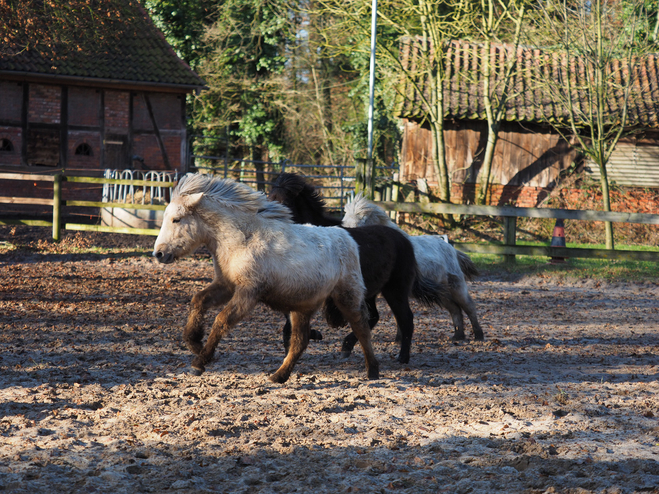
(57, 206)
(395, 189)
(342, 191)
(509, 236)
(360, 184)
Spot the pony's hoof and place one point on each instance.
(374, 373)
(278, 379)
(196, 371)
(315, 335)
(403, 359)
(458, 337)
(346, 353)
(479, 337)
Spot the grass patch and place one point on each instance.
(572, 269)
(644, 248)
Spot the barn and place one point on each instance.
(88, 88)
(530, 157)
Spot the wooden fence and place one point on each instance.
(57, 203)
(509, 249)
(392, 191)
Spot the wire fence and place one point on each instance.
(335, 182)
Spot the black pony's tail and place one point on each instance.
(333, 315)
(467, 266)
(429, 292)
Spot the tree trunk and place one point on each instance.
(486, 168)
(606, 203)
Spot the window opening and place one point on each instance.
(6, 145)
(84, 149)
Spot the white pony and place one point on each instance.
(259, 255)
(437, 260)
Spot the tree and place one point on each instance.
(243, 63)
(493, 22)
(424, 27)
(594, 75)
(183, 22)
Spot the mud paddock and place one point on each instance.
(95, 395)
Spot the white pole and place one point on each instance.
(370, 170)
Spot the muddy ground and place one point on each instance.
(95, 394)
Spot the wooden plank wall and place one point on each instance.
(524, 155)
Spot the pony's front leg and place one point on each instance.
(213, 295)
(299, 340)
(236, 309)
(357, 316)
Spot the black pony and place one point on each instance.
(387, 262)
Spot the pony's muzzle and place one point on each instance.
(162, 257)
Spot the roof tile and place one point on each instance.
(139, 53)
(463, 87)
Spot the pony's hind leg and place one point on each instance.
(470, 309)
(350, 341)
(299, 339)
(400, 306)
(458, 322)
(286, 334)
(465, 303)
(213, 295)
(236, 309)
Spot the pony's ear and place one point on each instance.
(191, 201)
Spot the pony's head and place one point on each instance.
(302, 198)
(200, 204)
(362, 212)
(180, 231)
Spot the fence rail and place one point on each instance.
(509, 249)
(510, 214)
(57, 203)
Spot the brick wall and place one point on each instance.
(11, 101)
(623, 199)
(116, 111)
(81, 162)
(84, 106)
(14, 135)
(146, 146)
(45, 104)
(501, 195)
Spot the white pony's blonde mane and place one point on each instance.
(228, 193)
(363, 209)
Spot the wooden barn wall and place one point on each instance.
(530, 157)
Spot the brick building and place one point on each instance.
(86, 94)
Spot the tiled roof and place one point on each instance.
(124, 45)
(463, 86)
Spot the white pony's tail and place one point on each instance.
(467, 266)
(428, 292)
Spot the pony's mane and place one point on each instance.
(228, 193)
(293, 184)
(362, 208)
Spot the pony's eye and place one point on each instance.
(176, 220)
